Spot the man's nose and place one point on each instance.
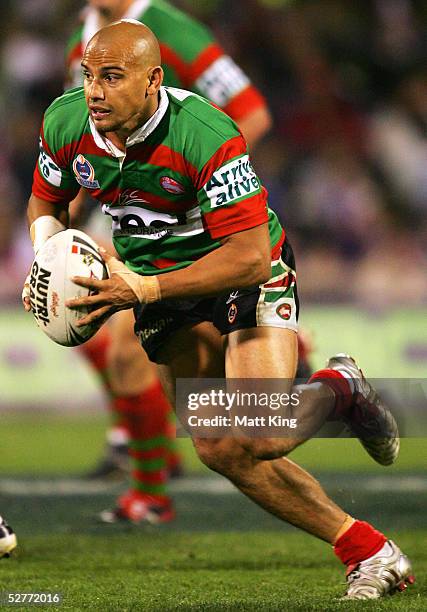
(96, 91)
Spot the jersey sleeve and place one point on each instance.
(73, 56)
(53, 179)
(201, 64)
(217, 77)
(229, 192)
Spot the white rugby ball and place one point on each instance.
(66, 254)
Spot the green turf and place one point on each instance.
(41, 444)
(157, 571)
(222, 552)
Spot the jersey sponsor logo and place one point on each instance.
(232, 313)
(130, 218)
(233, 181)
(85, 173)
(284, 311)
(51, 172)
(171, 186)
(222, 81)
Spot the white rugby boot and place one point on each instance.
(368, 418)
(8, 540)
(385, 573)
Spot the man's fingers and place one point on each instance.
(98, 316)
(85, 281)
(27, 304)
(87, 300)
(25, 296)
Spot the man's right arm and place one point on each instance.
(44, 220)
(37, 207)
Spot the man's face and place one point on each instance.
(115, 84)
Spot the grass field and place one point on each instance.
(222, 552)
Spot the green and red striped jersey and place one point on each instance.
(190, 57)
(184, 182)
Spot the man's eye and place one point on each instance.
(111, 77)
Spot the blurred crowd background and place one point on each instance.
(345, 163)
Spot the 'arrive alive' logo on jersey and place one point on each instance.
(233, 181)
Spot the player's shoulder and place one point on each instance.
(71, 96)
(195, 114)
(177, 30)
(72, 101)
(67, 114)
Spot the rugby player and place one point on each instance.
(217, 241)
(194, 60)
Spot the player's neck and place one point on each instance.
(105, 18)
(120, 136)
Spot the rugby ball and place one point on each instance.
(66, 254)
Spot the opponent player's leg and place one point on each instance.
(114, 463)
(142, 402)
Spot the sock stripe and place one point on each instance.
(153, 489)
(151, 465)
(146, 445)
(341, 388)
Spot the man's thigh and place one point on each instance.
(194, 351)
(262, 352)
(257, 353)
(130, 370)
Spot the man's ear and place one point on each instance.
(155, 80)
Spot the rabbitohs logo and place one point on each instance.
(284, 311)
(232, 313)
(171, 185)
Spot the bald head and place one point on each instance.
(128, 40)
(122, 77)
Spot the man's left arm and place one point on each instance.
(242, 260)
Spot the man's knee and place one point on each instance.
(225, 456)
(120, 357)
(230, 456)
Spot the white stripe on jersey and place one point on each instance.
(222, 80)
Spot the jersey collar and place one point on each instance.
(91, 23)
(139, 135)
